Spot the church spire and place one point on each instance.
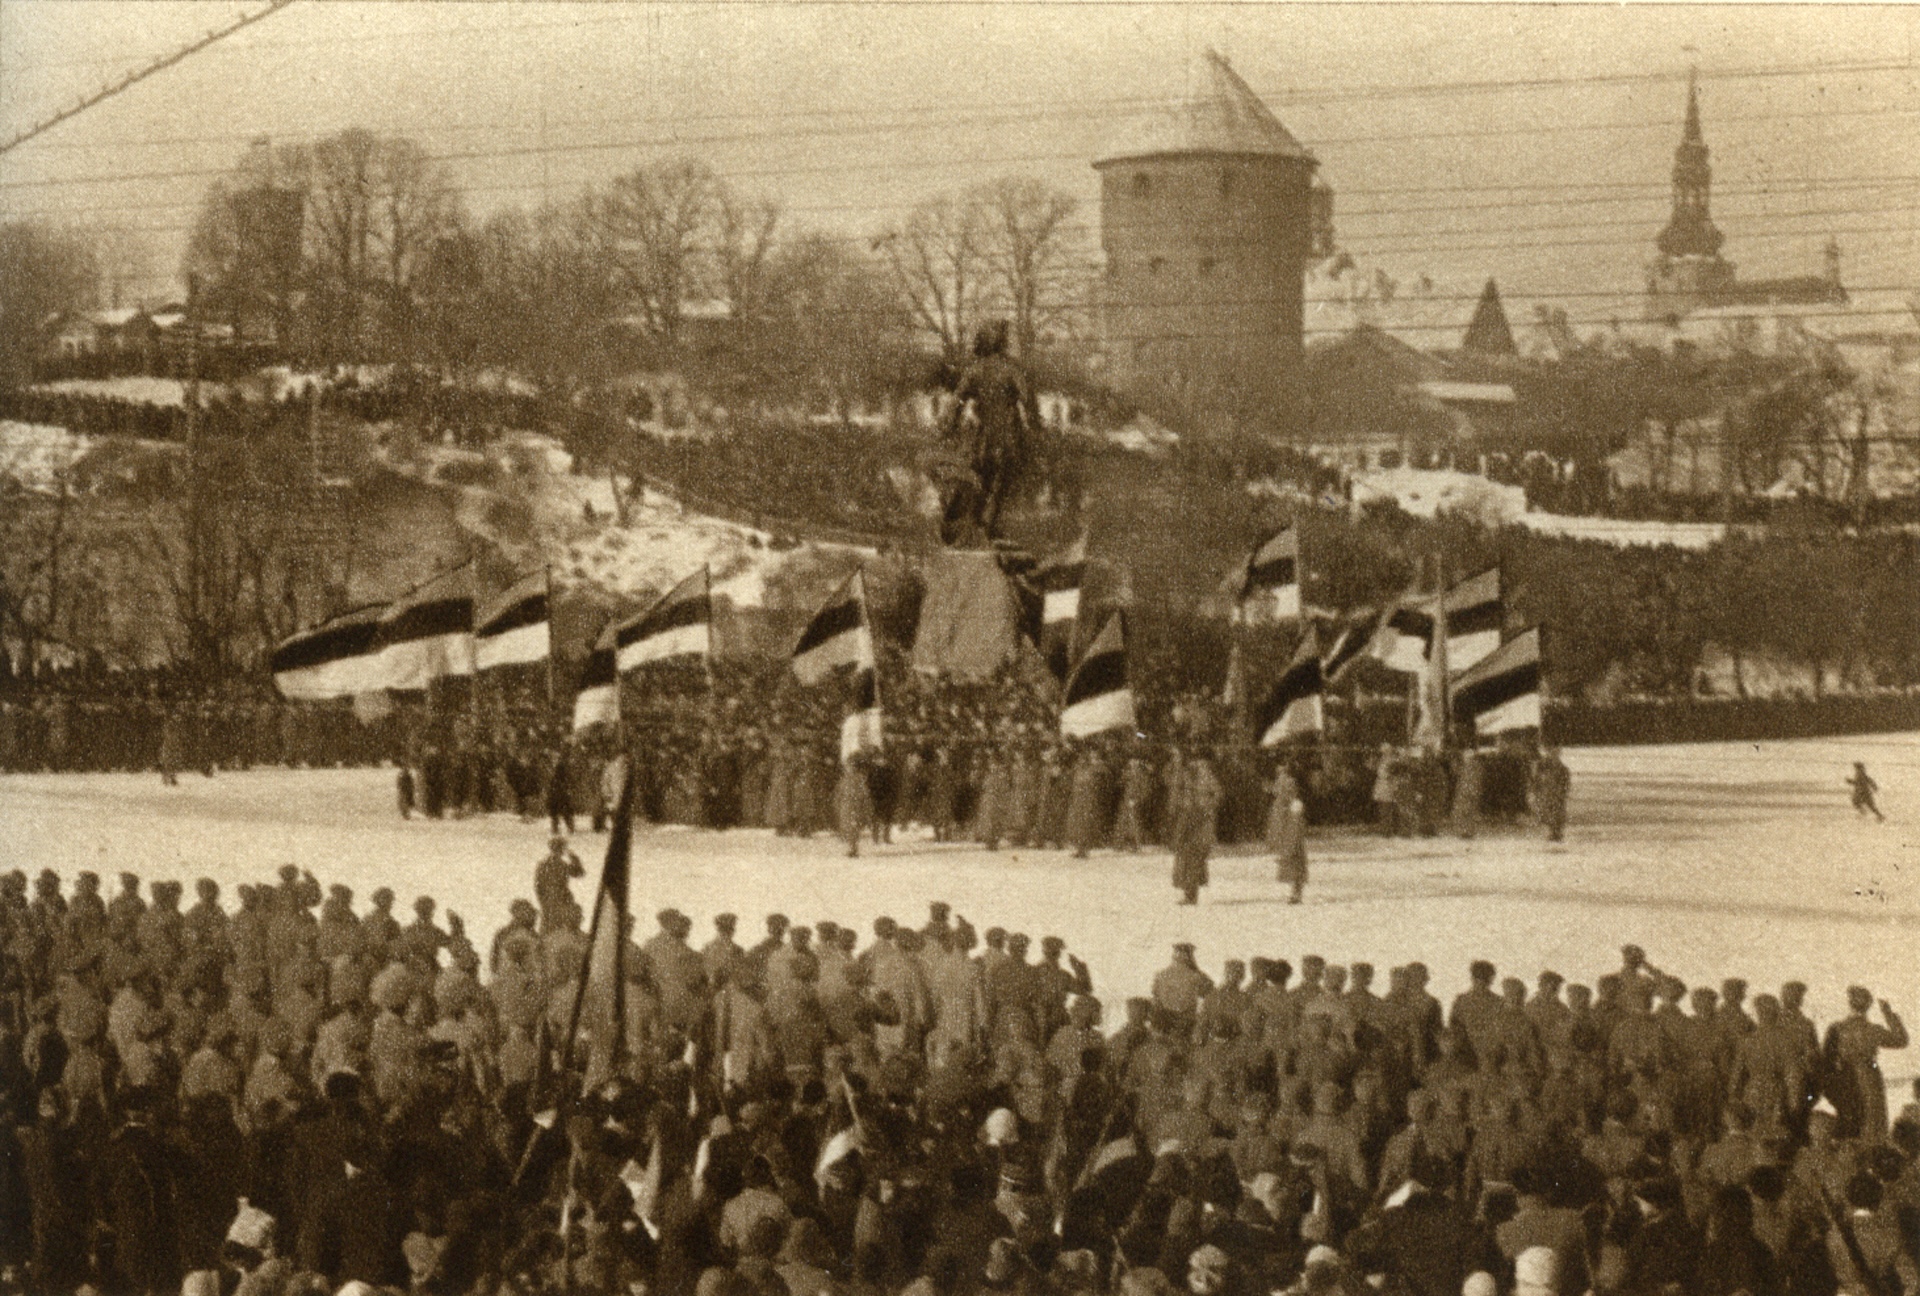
(1690, 230)
(1692, 134)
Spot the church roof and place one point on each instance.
(1220, 115)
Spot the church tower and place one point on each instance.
(1208, 216)
(1689, 273)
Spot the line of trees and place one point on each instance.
(359, 247)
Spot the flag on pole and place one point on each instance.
(1268, 584)
(1295, 707)
(334, 659)
(1098, 697)
(516, 628)
(598, 698)
(1357, 630)
(1474, 619)
(1502, 692)
(428, 634)
(599, 1010)
(679, 624)
(860, 731)
(1058, 581)
(837, 636)
(1404, 640)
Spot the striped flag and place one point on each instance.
(679, 624)
(1502, 692)
(334, 659)
(1059, 580)
(837, 636)
(1357, 630)
(598, 698)
(861, 731)
(516, 628)
(598, 1019)
(1295, 706)
(1404, 640)
(1098, 697)
(428, 634)
(1474, 618)
(1267, 585)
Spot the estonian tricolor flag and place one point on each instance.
(680, 624)
(334, 659)
(1268, 585)
(516, 629)
(837, 636)
(861, 730)
(1098, 697)
(428, 634)
(1295, 705)
(1501, 693)
(1059, 580)
(1404, 640)
(1357, 631)
(598, 698)
(1474, 620)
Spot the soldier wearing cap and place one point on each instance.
(1179, 987)
(124, 910)
(552, 885)
(1055, 984)
(776, 937)
(1852, 1066)
(938, 923)
(721, 955)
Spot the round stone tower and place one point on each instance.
(1208, 216)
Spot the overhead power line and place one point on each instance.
(141, 74)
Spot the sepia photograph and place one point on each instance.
(959, 648)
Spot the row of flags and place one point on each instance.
(1452, 641)
(435, 631)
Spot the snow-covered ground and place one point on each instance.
(1721, 860)
(34, 455)
(138, 388)
(1427, 493)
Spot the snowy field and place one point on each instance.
(1721, 860)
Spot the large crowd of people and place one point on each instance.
(299, 1093)
(727, 744)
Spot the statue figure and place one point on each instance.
(991, 435)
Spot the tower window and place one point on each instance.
(1156, 264)
(1207, 265)
(1142, 184)
(1226, 182)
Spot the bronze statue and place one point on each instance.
(992, 434)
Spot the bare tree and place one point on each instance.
(938, 261)
(44, 271)
(655, 230)
(1025, 227)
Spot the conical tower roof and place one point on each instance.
(1488, 333)
(1221, 115)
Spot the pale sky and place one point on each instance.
(850, 113)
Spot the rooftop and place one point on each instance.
(1219, 115)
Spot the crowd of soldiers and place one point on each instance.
(730, 744)
(302, 1095)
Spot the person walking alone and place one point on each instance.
(1863, 789)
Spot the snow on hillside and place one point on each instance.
(1428, 493)
(575, 528)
